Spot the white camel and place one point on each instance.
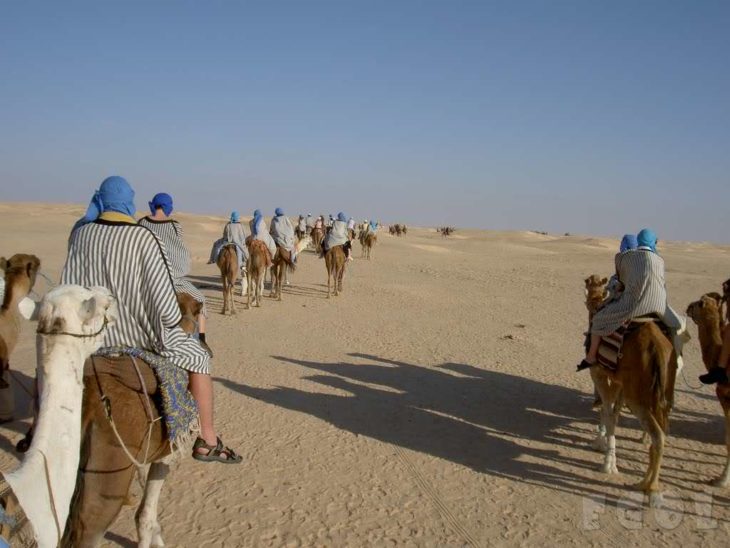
(71, 324)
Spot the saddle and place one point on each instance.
(15, 529)
(609, 351)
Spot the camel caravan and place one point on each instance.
(446, 230)
(107, 409)
(398, 230)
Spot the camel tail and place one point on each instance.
(661, 404)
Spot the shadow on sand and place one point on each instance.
(491, 422)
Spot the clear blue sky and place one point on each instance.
(583, 116)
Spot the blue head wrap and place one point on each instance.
(234, 216)
(114, 194)
(342, 217)
(256, 221)
(628, 242)
(161, 200)
(373, 225)
(278, 211)
(647, 238)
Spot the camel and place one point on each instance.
(317, 237)
(71, 323)
(259, 260)
(20, 274)
(596, 293)
(283, 263)
(367, 242)
(190, 310)
(643, 380)
(707, 314)
(335, 262)
(228, 264)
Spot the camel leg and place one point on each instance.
(650, 483)
(149, 531)
(230, 297)
(600, 382)
(225, 300)
(248, 290)
(329, 276)
(724, 479)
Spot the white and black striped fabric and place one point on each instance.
(130, 261)
(171, 234)
(642, 273)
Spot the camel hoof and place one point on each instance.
(641, 486)
(656, 499)
(599, 444)
(609, 468)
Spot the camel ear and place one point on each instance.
(604, 281)
(32, 266)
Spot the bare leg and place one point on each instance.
(592, 355)
(201, 324)
(201, 386)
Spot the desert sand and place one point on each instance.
(434, 403)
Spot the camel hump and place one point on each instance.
(122, 369)
(259, 246)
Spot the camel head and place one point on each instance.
(79, 313)
(19, 272)
(190, 310)
(706, 311)
(595, 289)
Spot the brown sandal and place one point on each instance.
(216, 453)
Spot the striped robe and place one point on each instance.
(171, 234)
(130, 261)
(642, 273)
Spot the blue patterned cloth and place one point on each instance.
(179, 409)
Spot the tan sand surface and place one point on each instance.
(434, 403)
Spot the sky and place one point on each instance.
(579, 116)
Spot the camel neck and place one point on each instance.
(710, 342)
(51, 463)
(16, 289)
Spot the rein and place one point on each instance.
(77, 335)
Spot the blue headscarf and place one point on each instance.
(647, 238)
(161, 200)
(373, 226)
(256, 218)
(278, 211)
(628, 242)
(342, 217)
(234, 216)
(114, 194)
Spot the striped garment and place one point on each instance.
(171, 234)
(642, 273)
(132, 263)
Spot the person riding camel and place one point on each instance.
(282, 232)
(233, 233)
(108, 248)
(337, 236)
(259, 232)
(719, 373)
(641, 273)
(170, 232)
(309, 224)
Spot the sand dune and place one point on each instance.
(433, 404)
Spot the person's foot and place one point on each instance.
(204, 452)
(584, 364)
(715, 375)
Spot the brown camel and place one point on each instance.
(644, 379)
(190, 310)
(317, 237)
(106, 471)
(282, 263)
(595, 295)
(259, 260)
(228, 264)
(20, 273)
(368, 241)
(335, 262)
(707, 314)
